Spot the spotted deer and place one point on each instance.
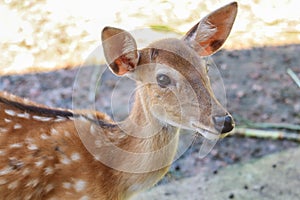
(48, 153)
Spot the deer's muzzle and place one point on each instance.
(223, 124)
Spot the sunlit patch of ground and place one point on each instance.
(43, 35)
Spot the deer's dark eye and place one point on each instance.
(163, 80)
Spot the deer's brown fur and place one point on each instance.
(50, 153)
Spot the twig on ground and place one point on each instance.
(293, 127)
(271, 134)
(293, 76)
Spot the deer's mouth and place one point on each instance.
(206, 132)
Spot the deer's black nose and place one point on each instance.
(224, 124)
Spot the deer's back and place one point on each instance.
(41, 155)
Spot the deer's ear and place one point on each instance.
(120, 50)
(207, 36)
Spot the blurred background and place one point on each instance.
(44, 42)
(51, 33)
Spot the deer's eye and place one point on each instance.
(163, 80)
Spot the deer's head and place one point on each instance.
(172, 75)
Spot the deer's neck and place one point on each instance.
(147, 132)
(139, 142)
(154, 143)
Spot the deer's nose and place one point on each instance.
(224, 124)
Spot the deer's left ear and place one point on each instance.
(207, 36)
(120, 50)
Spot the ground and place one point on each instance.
(257, 85)
(271, 177)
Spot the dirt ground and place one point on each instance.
(257, 85)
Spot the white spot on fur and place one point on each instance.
(13, 185)
(60, 119)
(44, 136)
(32, 183)
(79, 185)
(39, 163)
(41, 118)
(15, 163)
(3, 130)
(75, 156)
(10, 112)
(67, 185)
(32, 147)
(7, 120)
(67, 134)
(49, 187)
(17, 126)
(48, 171)
(3, 181)
(24, 115)
(54, 131)
(26, 171)
(93, 131)
(5, 171)
(2, 152)
(65, 160)
(84, 198)
(16, 145)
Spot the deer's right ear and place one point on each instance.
(120, 50)
(210, 33)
